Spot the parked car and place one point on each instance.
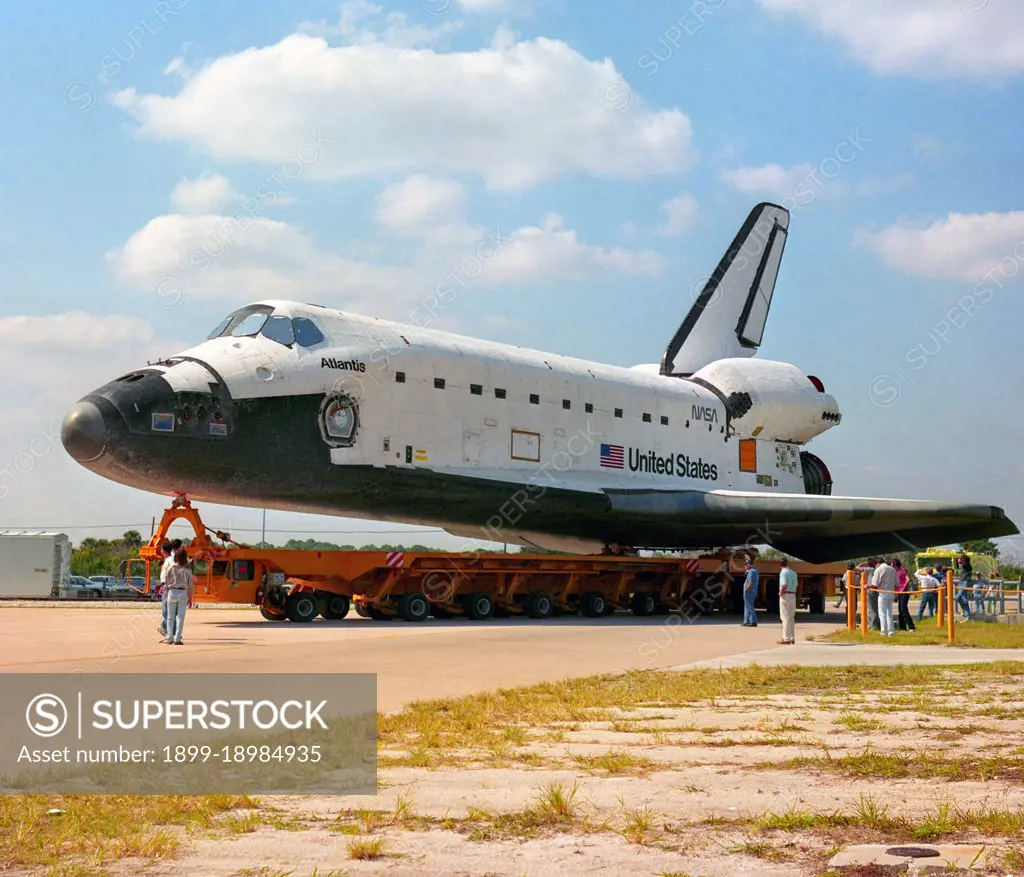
(80, 586)
(114, 587)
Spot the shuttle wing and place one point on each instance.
(817, 529)
(729, 315)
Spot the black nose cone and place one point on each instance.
(83, 433)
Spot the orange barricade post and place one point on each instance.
(863, 604)
(851, 600)
(949, 606)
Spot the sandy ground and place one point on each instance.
(680, 767)
(712, 767)
(413, 661)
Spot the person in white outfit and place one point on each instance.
(787, 603)
(179, 596)
(885, 579)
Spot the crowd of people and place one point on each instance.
(890, 588)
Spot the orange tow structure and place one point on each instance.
(301, 584)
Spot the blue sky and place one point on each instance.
(617, 146)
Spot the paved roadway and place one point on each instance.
(413, 661)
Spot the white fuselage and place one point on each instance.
(461, 406)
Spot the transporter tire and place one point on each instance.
(378, 615)
(302, 607)
(593, 604)
(334, 606)
(479, 607)
(362, 610)
(414, 607)
(270, 615)
(644, 604)
(539, 606)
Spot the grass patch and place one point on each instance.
(479, 723)
(869, 764)
(95, 830)
(969, 635)
(639, 824)
(853, 722)
(554, 809)
(614, 763)
(366, 848)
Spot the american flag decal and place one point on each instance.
(612, 457)
(394, 559)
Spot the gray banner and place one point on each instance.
(190, 734)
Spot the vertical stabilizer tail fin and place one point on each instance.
(729, 315)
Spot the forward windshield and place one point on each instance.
(257, 319)
(244, 322)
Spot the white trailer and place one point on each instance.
(33, 563)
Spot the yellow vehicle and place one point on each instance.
(983, 563)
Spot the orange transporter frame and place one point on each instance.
(300, 584)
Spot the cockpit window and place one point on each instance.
(243, 322)
(250, 321)
(279, 329)
(248, 326)
(306, 332)
(221, 326)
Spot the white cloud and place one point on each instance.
(422, 206)
(551, 252)
(212, 256)
(963, 246)
(516, 116)
(355, 27)
(58, 358)
(770, 179)
(680, 215)
(921, 37)
(489, 5)
(206, 194)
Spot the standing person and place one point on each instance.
(179, 596)
(168, 562)
(903, 589)
(885, 580)
(751, 586)
(869, 567)
(787, 603)
(930, 592)
(979, 595)
(963, 600)
(962, 597)
(841, 585)
(992, 594)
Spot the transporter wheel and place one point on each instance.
(414, 607)
(479, 607)
(362, 610)
(644, 604)
(593, 604)
(377, 615)
(539, 606)
(271, 615)
(302, 607)
(334, 606)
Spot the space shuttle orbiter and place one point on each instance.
(304, 408)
